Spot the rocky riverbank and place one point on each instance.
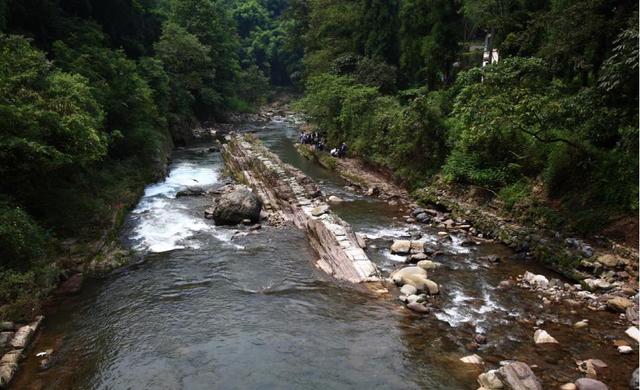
(600, 277)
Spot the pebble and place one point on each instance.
(568, 386)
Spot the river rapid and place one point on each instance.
(210, 307)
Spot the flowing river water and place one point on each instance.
(211, 307)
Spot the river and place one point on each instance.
(210, 307)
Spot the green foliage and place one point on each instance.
(45, 114)
(502, 120)
(22, 242)
(515, 193)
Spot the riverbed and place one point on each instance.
(210, 307)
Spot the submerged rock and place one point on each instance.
(190, 191)
(417, 307)
(234, 206)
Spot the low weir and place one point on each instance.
(290, 196)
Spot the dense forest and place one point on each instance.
(552, 127)
(94, 94)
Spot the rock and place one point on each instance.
(361, 239)
(431, 286)
(72, 285)
(414, 298)
(22, 337)
(596, 284)
(472, 359)
(417, 211)
(235, 205)
(633, 382)
(619, 304)
(480, 338)
(590, 384)
(418, 281)
(423, 218)
(592, 367)
(581, 324)
(505, 284)
(417, 307)
(417, 247)
(518, 376)
(401, 247)
(443, 234)
(428, 264)
(625, 349)
(373, 191)
(489, 380)
(319, 210)
(6, 374)
(418, 257)
(490, 258)
(610, 261)
(468, 242)
(535, 280)
(408, 289)
(7, 326)
(568, 386)
(542, 337)
(190, 191)
(407, 271)
(634, 333)
(11, 357)
(334, 199)
(472, 346)
(5, 338)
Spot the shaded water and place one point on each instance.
(217, 308)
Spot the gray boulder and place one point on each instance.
(190, 191)
(234, 206)
(590, 384)
(518, 376)
(633, 383)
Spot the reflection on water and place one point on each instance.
(208, 311)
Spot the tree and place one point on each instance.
(377, 30)
(190, 70)
(211, 22)
(48, 118)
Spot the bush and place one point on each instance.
(23, 243)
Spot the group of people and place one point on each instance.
(320, 144)
(313, 139)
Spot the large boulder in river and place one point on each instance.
(236, 205)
